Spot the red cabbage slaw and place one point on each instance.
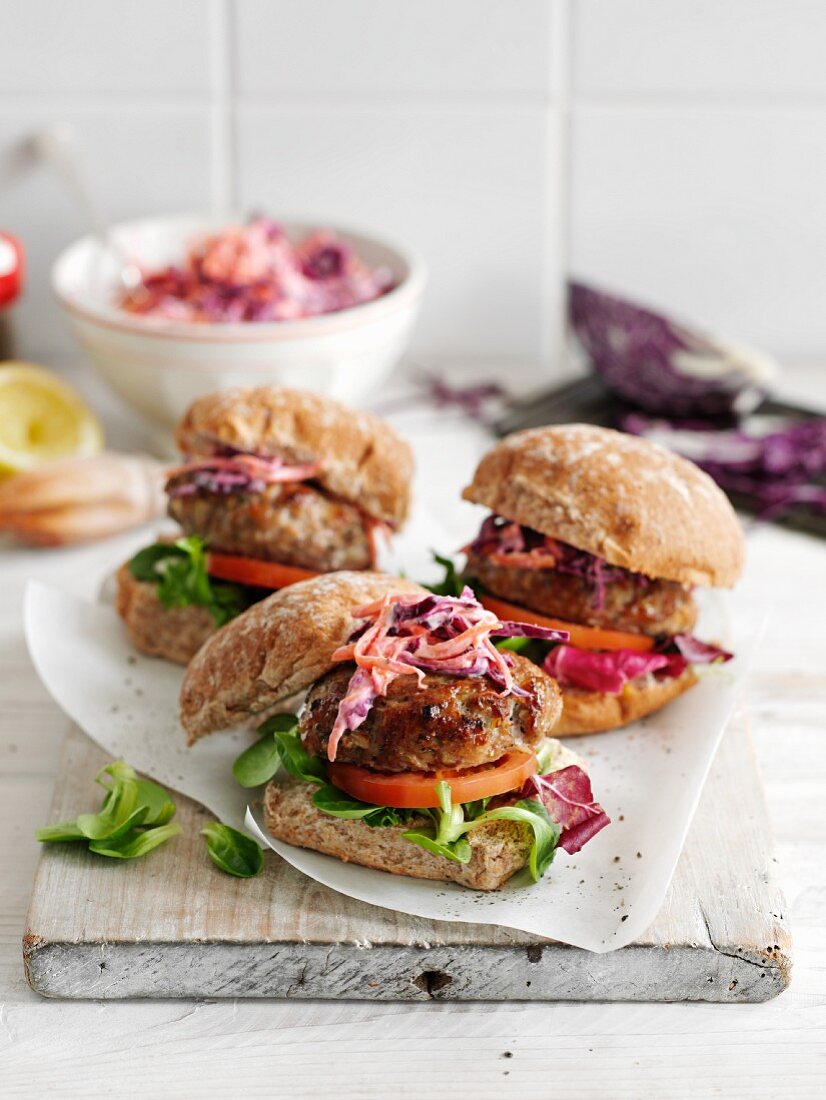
(235, 473)
(511, 544)
(255, 273)
(608, 671)
(569, 800)
(408, 635)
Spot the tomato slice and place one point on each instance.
(417, 790)
(583, 637)
(254, 572)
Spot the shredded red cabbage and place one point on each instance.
(512, 544)
(569, 800)
(609, 671)
(236, 472)
(407, 635)
(774, 470)
(255, 273)
(651, 361)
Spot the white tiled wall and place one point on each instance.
(675, 149)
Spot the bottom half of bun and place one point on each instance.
(499, 848)
(599, 712)
(175, 633)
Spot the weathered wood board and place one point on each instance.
(173, 926)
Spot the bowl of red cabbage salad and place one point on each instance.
(257, 273)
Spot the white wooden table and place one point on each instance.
(360, 1051)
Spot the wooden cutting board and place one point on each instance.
(172, 925)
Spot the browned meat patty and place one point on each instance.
(449, 722)
(635, 604)
(295, 524)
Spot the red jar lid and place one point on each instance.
(11, 268)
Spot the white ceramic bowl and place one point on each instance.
(161, 366)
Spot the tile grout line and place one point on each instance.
(222, 119)
(171, 101)
(555, 242)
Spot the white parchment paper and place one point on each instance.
(648, 777)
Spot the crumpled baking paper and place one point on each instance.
(648, 777)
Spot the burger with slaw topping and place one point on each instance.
(421, 748)
(605, 536)
(276, 486)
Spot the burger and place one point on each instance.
(605, 536)
(276, 486)
(420, 749)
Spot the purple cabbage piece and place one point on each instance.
(529, 630)
(605, 672)
(696, 652)
(327, 262)
(609, 671)
(636, 352)
(445, 617)
(567, 796)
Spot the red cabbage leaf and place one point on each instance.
(567, 796)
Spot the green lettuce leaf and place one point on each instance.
(451, 584)
(233, 852)
(135, 843)
(257, 764)
(458, 850)
(545, 832)
(447, 836)
(57, 834)
(179, 570)
(160, 806)
(133, 818)
(295, 758)
(332, 801)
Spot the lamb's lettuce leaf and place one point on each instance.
(179, 569)
(233, 852)
(133, 819)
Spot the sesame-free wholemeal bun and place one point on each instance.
(617, 496)
(277, 648)
(364, 460)
(175, 633)
(497, 849)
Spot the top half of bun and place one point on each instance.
(277, 648)
(619, 497)
(364, 460)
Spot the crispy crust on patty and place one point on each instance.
(448, 722)
(599, 712)
(292, 523)
(365, 460)
(626, 500)
(176, 633)
(499, 848)
(655, 607)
